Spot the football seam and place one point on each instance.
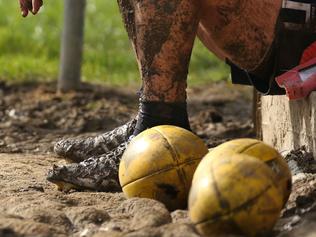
(177, 159)
(163, 170)
(249, 146)
(236, 209)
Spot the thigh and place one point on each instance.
(239, 30)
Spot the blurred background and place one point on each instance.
(30, 48)
(42, 53)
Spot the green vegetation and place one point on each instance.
(30, 47)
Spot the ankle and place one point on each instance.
(152, 113)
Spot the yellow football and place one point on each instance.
(234, 194)
(159, 163)
(264, 152)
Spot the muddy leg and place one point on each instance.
(162, 33)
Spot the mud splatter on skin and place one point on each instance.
(162, 33)
(240, 52)
(229, 11)
(157, 32)
(250, 24)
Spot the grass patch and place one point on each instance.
(29, 48)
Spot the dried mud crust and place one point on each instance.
(33, 117)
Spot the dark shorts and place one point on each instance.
(296, 30)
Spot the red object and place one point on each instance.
(309, 53)
(301, 80)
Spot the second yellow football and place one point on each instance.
(263, 152)
(234, 194)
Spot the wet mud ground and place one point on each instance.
(33, 117)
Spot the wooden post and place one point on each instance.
(71, 46)
(257, 114)
(288, 125)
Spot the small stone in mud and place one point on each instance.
(180, 216)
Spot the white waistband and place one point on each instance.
(307, 7)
